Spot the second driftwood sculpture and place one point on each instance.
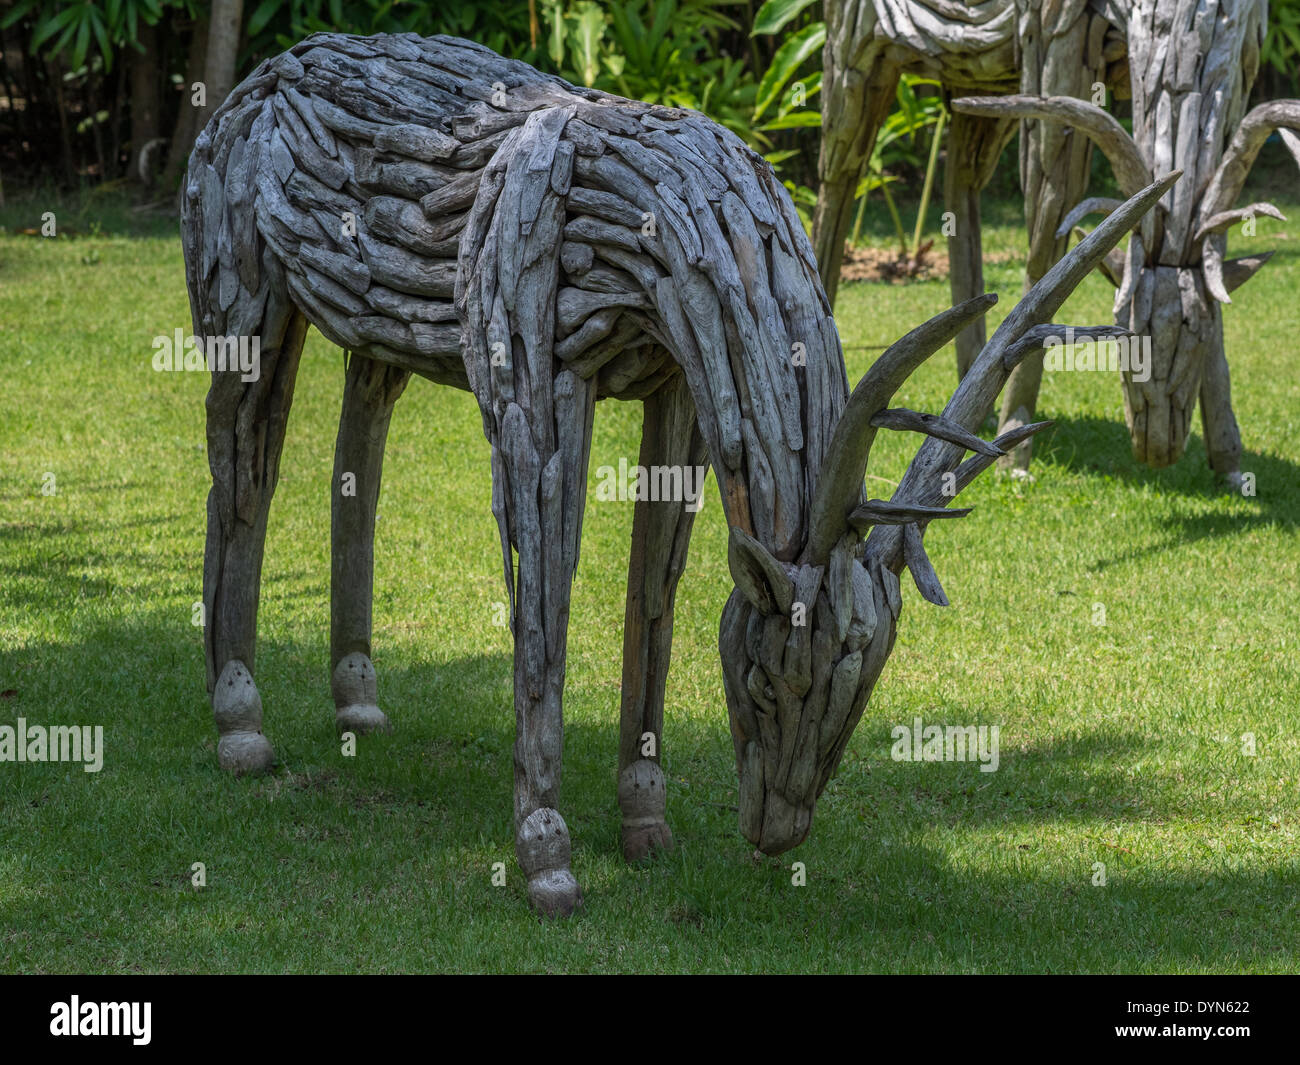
(1188, 67)
(436, 209)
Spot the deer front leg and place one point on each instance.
(539, 490)
(974, 145)
(371, 390)
(661, 533)
(244, 457)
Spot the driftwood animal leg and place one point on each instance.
(371, 390)
(547, 495)
(1218, 424)
(661, 533)
(1054, 167)
(861, 98)
(245, 430)
(974, 145)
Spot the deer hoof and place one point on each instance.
(543, 849)
(237, 709)
(356, 694)
(642, 798)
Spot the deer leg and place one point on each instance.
(371, 390)
(1054, 166)
(245, 431)
(661, 533)
(974, 145)
(539, 490)
(1218, 424)
(861, 93)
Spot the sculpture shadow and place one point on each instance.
(445, 776)
(1098, 447)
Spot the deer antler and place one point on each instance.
(839, 484)
(1216, 212)
(837, 502)
(1092, 205)
(1131, 170)
(1020, 332)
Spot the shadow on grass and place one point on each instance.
(407, 821)
(112, 210)
(1098, 447)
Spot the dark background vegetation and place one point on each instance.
(88, 87)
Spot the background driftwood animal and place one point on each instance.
(436, 209)
(1188, 66)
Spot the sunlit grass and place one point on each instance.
(1120, 743)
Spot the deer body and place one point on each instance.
(440, 211)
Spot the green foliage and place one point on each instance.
(1281, 49)
(789, 58)
(666, 52)
(70, 29)
(502, 25)
(801, 49)
(775, 14)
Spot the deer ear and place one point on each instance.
(759, 576)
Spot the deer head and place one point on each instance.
(803, 642)
(1174, 275)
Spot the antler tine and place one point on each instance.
(1036, 339)
(985, 378)
(916, 560)
(973, 467)
(839, 484)
(1254, 130)
(1236, 272)
(904, 420)
(1092, 205)
(1211, 234)
(1220, 221)
(1216, 212)
(1131, 170)
(1292, 142)
(886, 512)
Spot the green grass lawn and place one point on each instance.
(1120, 743)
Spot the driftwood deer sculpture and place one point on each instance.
(436, 209)
(1188, 66)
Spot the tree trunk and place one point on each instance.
(144, 104)
(223, 47)
(187, 127)
(54, 76)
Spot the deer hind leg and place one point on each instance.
(661, 534)
(245, 431)
(538, 493)
(1218, 424)
(371, 390)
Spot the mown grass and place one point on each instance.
(1120, 743)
